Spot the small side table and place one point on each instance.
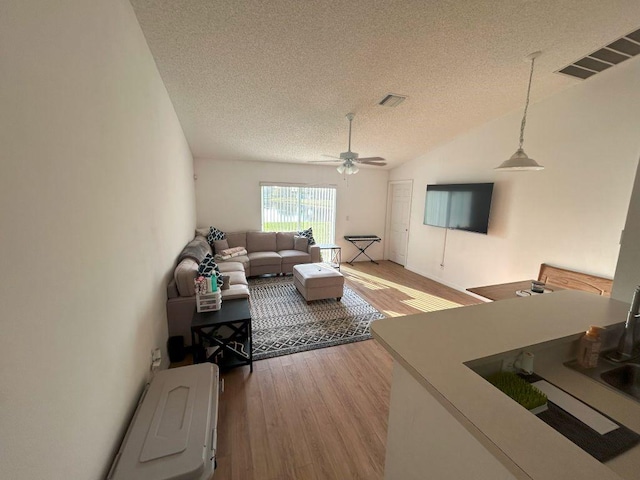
(220, 328)
(335, 255)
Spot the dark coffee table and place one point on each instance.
(221, 328)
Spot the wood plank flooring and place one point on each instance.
(322, 414)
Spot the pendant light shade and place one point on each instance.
(520, 161)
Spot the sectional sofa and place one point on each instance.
(266, 253)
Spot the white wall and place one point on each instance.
(570, 214)
(97, 199)
(228, 197)
(628, 269)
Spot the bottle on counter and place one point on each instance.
(589, 348)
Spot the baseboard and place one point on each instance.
(448, 284)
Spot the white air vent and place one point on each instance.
(392, 100)
(608, 56)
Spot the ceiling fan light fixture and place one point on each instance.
(520, 161)
(350, 159)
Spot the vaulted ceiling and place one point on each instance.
(273, 80)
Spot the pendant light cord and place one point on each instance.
(526, 106)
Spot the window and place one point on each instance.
(287, 208)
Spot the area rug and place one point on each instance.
(282, 323)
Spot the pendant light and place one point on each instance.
(520, 161)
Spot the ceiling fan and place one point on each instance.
(350, 159)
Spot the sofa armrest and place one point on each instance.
(314, 251)
(172, 289)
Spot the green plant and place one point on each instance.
(518, 389)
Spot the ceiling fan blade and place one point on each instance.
(375, 164)
(330, 156)
(325, 161)
(371, 159)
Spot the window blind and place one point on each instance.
(287, 208)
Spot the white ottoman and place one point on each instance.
(316, 281)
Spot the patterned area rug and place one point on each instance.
(283, 323)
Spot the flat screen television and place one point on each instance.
(462, 206)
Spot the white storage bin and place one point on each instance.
(208, 302)
(173, 433)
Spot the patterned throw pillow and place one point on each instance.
(215, 234)
(209, 268)
(308, 234)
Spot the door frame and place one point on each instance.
(387, 228)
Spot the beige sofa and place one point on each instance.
(267, 253)
(271, 252)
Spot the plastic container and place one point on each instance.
(589, 347)
(208, 302)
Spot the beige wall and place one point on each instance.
(628, 270)
(571, 214)
(97, 199)
(228, 197)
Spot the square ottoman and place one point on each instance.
(316, 281)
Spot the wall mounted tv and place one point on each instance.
(462, 206)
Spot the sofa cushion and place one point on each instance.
(237, 239)
(226, 267)
(308, 233)
(219, 245)
(236, 278)
(259, 259)
(301, 243)
(235, 291)
(284, 240)
(261, 242)
(294, 256)
(243, 260)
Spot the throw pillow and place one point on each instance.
(308, 234)
(209, 268)
(203, 232)
(301, 243)
(215, 234)
(219, 245)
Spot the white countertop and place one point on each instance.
(434, 346)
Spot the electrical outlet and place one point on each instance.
(156, 358)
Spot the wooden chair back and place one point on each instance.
(572, 280)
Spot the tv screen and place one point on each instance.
(463, 206)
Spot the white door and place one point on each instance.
(399, 221)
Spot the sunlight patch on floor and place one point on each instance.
(419, 300)
(429, 303)
(389, 314)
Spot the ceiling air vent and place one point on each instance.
(392, 100)
(614, 53)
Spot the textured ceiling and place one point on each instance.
(273, 80)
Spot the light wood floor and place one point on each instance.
(322, 414)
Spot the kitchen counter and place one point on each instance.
(433, 348)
